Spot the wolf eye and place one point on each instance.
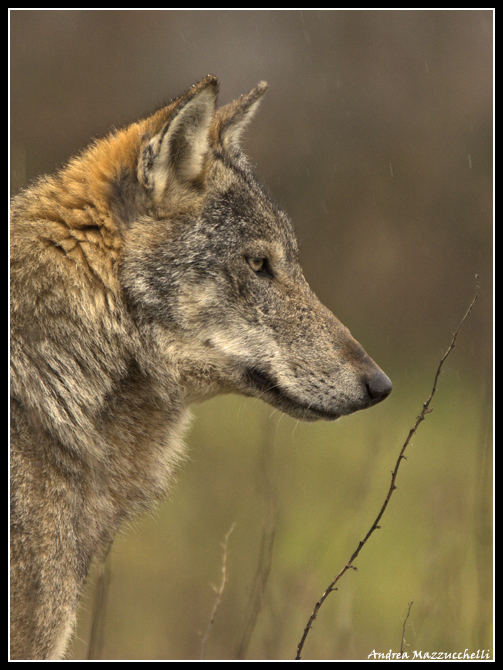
(259, 265)
(256, 264)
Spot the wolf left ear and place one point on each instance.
(179, 149)
(232, 119)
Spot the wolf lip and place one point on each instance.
(260, 380)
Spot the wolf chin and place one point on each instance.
(151, 272)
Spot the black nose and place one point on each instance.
(378, 386)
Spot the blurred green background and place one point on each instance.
(376, 137)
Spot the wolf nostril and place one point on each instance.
(378, 386)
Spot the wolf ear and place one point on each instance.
(179, 149)
(232, 119)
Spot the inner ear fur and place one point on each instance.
(178, 150)
(232, 119)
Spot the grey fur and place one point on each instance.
(152, 271)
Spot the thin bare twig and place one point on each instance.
(401, 456)
(402, 642)
(219, 591)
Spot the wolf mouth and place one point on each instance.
(261, 381)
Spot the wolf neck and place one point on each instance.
(75, 241)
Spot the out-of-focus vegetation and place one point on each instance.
(313, 490)
(376, 137)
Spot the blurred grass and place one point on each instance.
(314, 490)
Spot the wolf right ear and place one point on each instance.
(179, 149)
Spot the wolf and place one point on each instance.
(151, 272)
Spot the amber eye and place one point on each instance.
(260, 266)
(257, 264)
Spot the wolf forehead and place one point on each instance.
(244, 214)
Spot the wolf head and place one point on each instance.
(212, 265)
